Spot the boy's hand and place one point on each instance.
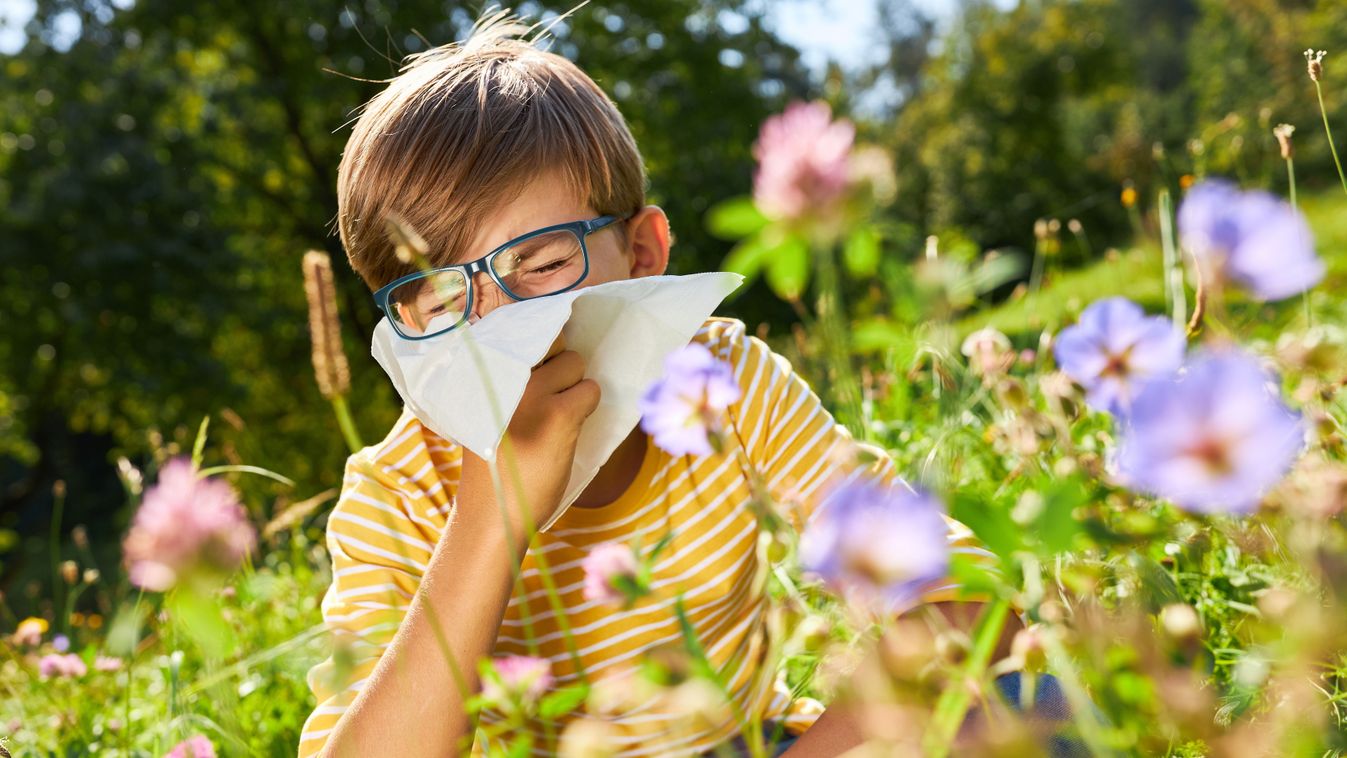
(539, 443)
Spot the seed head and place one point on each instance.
(408, 246)
(329, 360)
(1283, 134)
(1314, 60)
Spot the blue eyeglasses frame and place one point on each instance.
(581, 230)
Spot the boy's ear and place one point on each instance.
(648, 241)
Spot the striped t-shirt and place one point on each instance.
(398, 495)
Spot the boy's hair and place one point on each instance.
(461, 130)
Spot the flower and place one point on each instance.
(107, 663)
(185, 521)
(517, 677)
(1213, 438)
(989, 352)
(1283, 134)
(1314, 61)
(30, 631)
(61, 643)
(1113, 348)
(196, 746)
(611, 572)
(1252, 238)
(683, 406)
(61, 665)
(803, 161)
(884, 543)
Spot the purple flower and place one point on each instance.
(1252, 238)
(518, 677)
(61, 665)
(61, 643)
(611, 572)
(883, 544)
(803, 161)
(1114, 348)
(1213, 438)
(185, 521)
(682, 407)
(196, 746)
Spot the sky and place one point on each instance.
(820, 28)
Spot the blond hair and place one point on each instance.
(461, 130)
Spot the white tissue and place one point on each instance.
(623, 329)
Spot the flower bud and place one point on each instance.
(70, 572)
(80, 536)
(1027, 649)
(1314, 61)
(90, 576)
(1181, 623)
(1283, 134)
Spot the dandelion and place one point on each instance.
(884, 544)
(1115, 347)
(683, 409)
(184, 522)
(196, 746)
(804, 164)
(61, 665)
(1252, 238)
(517, 678)
(1213, 438)
(30, 631)
(612, 573)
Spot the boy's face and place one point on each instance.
(544, 203)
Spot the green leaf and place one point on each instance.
(735, 218)
(199, 616)
(861, 252)
(992, 525)
(880, 334)
(562, 701)
(199, 446)
(747, 257)
(1056, 526)
(788, 267)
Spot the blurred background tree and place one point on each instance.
(164, 166)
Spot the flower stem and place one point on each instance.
(1323, 111)
(954, 701)
(346, 423)
(1175, 298)
(836, 344)
(1291, 186)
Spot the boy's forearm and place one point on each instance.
(412, 704)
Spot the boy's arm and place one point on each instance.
(417, 667)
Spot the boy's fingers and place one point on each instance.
(583, 398)
(557, 346)
(558, 373)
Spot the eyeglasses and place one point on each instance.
(544, 262)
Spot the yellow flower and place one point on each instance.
(1129, 197)
(1187, 180)
(77, 619)
(95, 621)
(30, 631)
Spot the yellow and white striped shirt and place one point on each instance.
(398, 495)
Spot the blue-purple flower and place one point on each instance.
(1213, 438)
(881, 544)
(1114, 348)
(687, 404)
(1252, 238)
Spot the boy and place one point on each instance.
(474, 146)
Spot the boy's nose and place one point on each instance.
(486, 296)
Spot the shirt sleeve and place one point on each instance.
(379, 546)
(802, 454)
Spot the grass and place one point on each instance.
(1135, 273)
